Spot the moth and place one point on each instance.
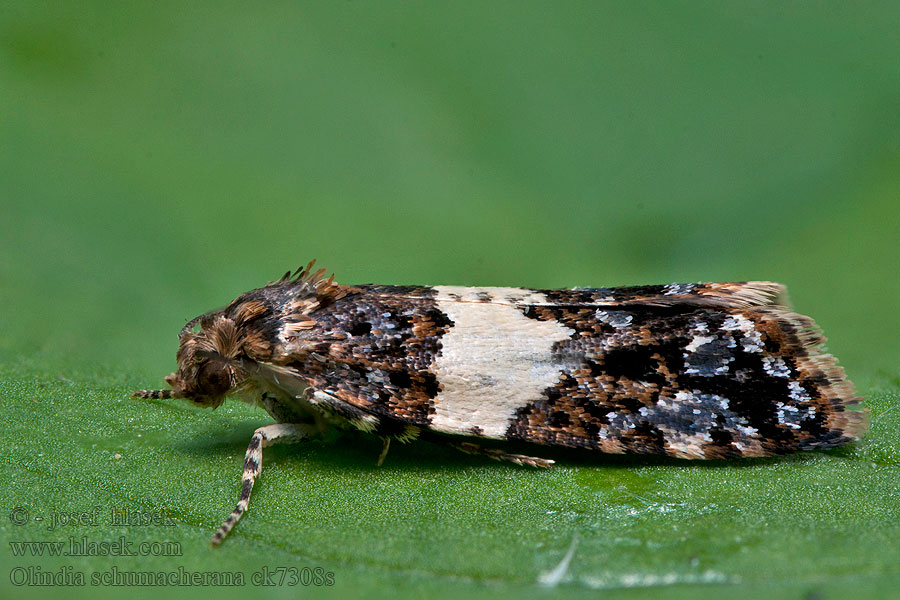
(697, 371)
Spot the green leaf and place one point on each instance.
(156, 161)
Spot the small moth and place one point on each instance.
(705, 370)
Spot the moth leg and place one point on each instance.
(384, 450)
(496, 454)
(279, 433)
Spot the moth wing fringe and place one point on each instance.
(813, 361)
(736, 294)
(749, 293)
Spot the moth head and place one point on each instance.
(204, 383)
(209, 367)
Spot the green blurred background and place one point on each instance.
(157, 160)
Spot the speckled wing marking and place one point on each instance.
(374, 350)
(692, 380)
(493, 360)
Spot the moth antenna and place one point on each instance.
(189, 325)
(153, 394)
(199, 319)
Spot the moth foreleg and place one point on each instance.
(279, 433)
(497, 454)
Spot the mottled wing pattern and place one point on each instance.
(377, 354)
(688, 370)
(688, 381)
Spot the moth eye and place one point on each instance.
(214, 378)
